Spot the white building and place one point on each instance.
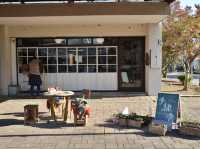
(103, 46)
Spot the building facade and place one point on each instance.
(102, 46)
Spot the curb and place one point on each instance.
(189, 95)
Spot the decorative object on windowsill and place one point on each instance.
(190, 128)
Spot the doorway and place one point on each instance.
(131, 68)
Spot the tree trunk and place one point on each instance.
(187, 76)
(186, 81)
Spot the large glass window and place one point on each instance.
(89, 59)
(79, 41)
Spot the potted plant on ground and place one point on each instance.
(122, 119)
(190, 128)
(135, 120)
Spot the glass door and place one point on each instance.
(131, 73)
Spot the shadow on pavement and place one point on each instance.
(8, 122)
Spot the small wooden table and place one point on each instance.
(66, 95)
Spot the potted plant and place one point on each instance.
(135, 120)
(190, 128)
(122, 119)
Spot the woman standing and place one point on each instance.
(34, 75)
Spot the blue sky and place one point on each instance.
(189, 3)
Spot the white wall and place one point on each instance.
(154, 48)
(77, 30)
(5, 60)
(74, 81)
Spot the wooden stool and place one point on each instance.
(30, 114)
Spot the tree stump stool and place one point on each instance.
(30, 114)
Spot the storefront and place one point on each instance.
(96, 63)
(98, 46)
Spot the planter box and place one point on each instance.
(192, 131)
(134, 123)
(122, 122)
(158, 129)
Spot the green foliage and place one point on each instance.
(133, 116)
(179, 31)
(182, 79)
(191, 124)
(120, 115)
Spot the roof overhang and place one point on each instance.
(123, 12)
(83, 20)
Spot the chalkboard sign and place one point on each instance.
(167, 109)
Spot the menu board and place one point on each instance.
(167, 108)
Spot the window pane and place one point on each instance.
(71, 59)
(71, 55)
(87, 41)
(23, 68)
(52, 60)
(62, 52)
(51, 51)
(82, 59)
(74, 41)
(42, 51)
(82, 68)
(91, 68)
(71, 68)
(22, 60)
(32, 52)
(52, 68)
(62, 60)
(112, 68)
(72, 51)
(45, 68)
(102, 51)
(91, 59)
(112, 60)
(62, 68)
(91, 51)
(22, 52)
(82, 51)
(30, 59)
(79, 41)
(102, 68)
(112, 51)
(43, 60)
(102, 59)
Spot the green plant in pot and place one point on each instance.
(122, 119)
(135, 120)
(190, 128)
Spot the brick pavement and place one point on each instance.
(98, 134)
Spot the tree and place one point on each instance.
(179, 39)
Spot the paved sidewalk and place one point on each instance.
(100, 133)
